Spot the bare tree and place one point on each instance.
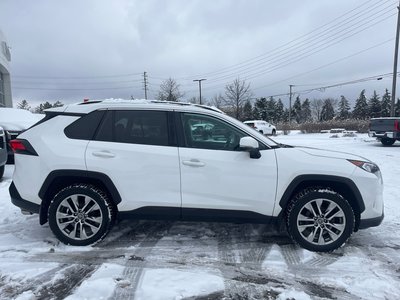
(316, 108)
(236, 95)
(193, 100)
(217, 101)
(169, 90)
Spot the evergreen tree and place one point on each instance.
(386, 104)
(374, 105)
(328, 111)
(279, 111)
(285, 116)
(24, 105)
(247, 111)
(361, 107)
(58, 104)
(296, 110)
(306, 111)
(343, 108)
(260, 109)
(271, 113)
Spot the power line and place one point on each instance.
(305, 52)
(74, 89)
(323, 88)
(309, 50)
(326, 65)
(75, 77)
(279, 49)
(73, 83)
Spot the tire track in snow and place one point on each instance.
(137, 262)
(72, 277)
(59, 282)
(234, 261)
(10, 289)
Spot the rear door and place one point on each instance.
(137, 150)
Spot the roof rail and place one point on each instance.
(143, 101)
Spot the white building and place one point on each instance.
(5, 82)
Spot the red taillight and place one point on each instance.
(396, 125)
(20, 146)
(17, 145)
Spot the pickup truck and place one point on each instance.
(386, 130)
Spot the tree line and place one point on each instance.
(40, 108)
(238, 102)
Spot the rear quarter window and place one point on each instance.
(85, 127)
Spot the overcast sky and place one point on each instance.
(70, 50)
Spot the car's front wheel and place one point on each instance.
(320, 220)
(1, 171)
(80, 215)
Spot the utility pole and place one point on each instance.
(145, 84)
(396, 51)
(200, 80)
(290, 102)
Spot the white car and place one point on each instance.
(262, 126)
(3, 151)
(14, 121)
(85, 165)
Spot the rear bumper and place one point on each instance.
(17, 200)
(373, 222)
(388, 135)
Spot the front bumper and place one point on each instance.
(25, 205)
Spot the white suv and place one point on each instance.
(262, 126)
(86, 164)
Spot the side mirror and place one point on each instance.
(249, 144)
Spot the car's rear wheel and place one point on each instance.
(320, 220)
(273, 132)
(80, 215)
(1, 171)
(387, 142)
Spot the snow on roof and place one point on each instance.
(17, 119)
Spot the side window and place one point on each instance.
(206, 132)
(135, 127)
(84, 128)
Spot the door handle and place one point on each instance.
(103, 154)
(193, 163)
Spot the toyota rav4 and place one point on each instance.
(85, 165)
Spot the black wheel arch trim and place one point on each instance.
(69, 176)
(322, 179)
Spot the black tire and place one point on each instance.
(273, 132)
(320, 232)
(1, 171)
(260, 131)
(85, 209)
(387, 141)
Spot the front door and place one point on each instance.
(216, 175)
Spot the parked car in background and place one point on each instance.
(87, 164)
(3, 151)
(14, 121)
(386, 130)
(262, 126)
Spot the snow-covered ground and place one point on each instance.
(182, 260)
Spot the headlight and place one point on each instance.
(367, 166)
